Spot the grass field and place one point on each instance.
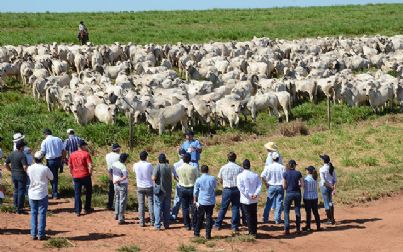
(202, 26)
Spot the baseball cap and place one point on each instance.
(325, 158)
(189, 133)
(38, 155)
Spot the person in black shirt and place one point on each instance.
(18, 168)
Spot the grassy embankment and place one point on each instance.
(203, 26)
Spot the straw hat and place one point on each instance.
(271, 146)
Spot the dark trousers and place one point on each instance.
(111, 194)
(312, 206)
(78, 184)
(229, 195)
(186, 195)
(54, 166)
(289, 198)
(20, 183)
(251, 217)
(204, 211)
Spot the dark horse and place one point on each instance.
(83, 37)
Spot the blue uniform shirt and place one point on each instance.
(204, 189)
(195, 155)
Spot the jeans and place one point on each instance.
(251, 217)
(111, 194)
(19, 191)
(27, 186)
(201, 212)
(311, 205)
(54, 166)
(289, 198)
(176, 205)
(78, 184)
(229, 195)
(120, 200)
(327, 197)
(141, 194)
(38, 207)
(186, 195)
(275, 197)
(162, 204)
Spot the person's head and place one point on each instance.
(20, 145)
(82, 22)
(116, 147)
(231, 157)
(292, 164)
(123, 157)
(271, 146)
(70, 132)
(143, 155)
(326, 160)
(246, 164)
(275, 156)
(189, 135)
(204, 169)
(82, 145)
(38, 157)
(312, 171)
(182, 152)
(187, 158)
(47, 132)
(162, 159)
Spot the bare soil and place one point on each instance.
(376, 226)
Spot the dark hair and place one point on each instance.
(123, 157)
(162, 159)
(246, 164)
(276, 159)
(38, 160)
(331, 168)
(231, 156)
(19, 145)
(143, 155)
(204, 169)
(71, 132)
(186, 158)
(47, 132)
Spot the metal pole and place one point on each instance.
(131, 131)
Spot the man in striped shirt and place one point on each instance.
(71, 143)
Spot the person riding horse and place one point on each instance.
(82, 33)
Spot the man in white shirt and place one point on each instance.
(144, 172)
(39, 176)
(120, 178)
(249, 186)
(111, 158)
(177, 200)
(272, 177)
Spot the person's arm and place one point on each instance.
(24, 163)
(196, 191)
(199, 147)
(241, 186)
(263, 177)
(284, 182)
(258, 189)
(43, 147)
(301, 182)
(110, 174)
(49, 174)
(7, 163)
(155, 173)
(89, 162)
(220, 176)
(71, 166)
(125, 175)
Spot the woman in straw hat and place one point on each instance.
(272, 147)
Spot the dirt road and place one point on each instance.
(377, 226)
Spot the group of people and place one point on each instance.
(195, 191)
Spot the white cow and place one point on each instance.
(171, 115)
(106, 113)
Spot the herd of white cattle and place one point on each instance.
(217, 81)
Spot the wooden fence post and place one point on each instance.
(131, 131)
(328, 112)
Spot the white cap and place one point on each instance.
(38, 155)
(69, 130)
(275, 155)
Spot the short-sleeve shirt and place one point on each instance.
(228, 173)
(144, 172)
(39, 176)
(163, 173)
(71, 144)
(18, 160)
(79, 162)
(187, 175)
(292, 177)
(273, 174)
(195, 144)
(111, 158)
(119, 170)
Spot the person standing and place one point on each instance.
(177, 203)
(187, 175)
(204, 196)
(19, 165)
(272, 148)
(292, 183)
(52, 148)
(328, 181)
(193, 147)
(120, 178)
(162, 176)
(110, 159)
(272, 177)
(230, 195)
(311, 198)
(249, 186)
(144, 172)
(80, 164)
(70, 145)
(39, 176)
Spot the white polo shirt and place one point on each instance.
(144, 172)
(39, 176)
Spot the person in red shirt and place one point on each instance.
(80, 165)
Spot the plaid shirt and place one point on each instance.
(228, 174)
(310, 188)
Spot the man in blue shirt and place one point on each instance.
(193, 147)
(204, 196)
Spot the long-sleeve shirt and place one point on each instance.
(326, 176)
(204, 189)
(249, 184)
(192, 147)
(310, 188)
